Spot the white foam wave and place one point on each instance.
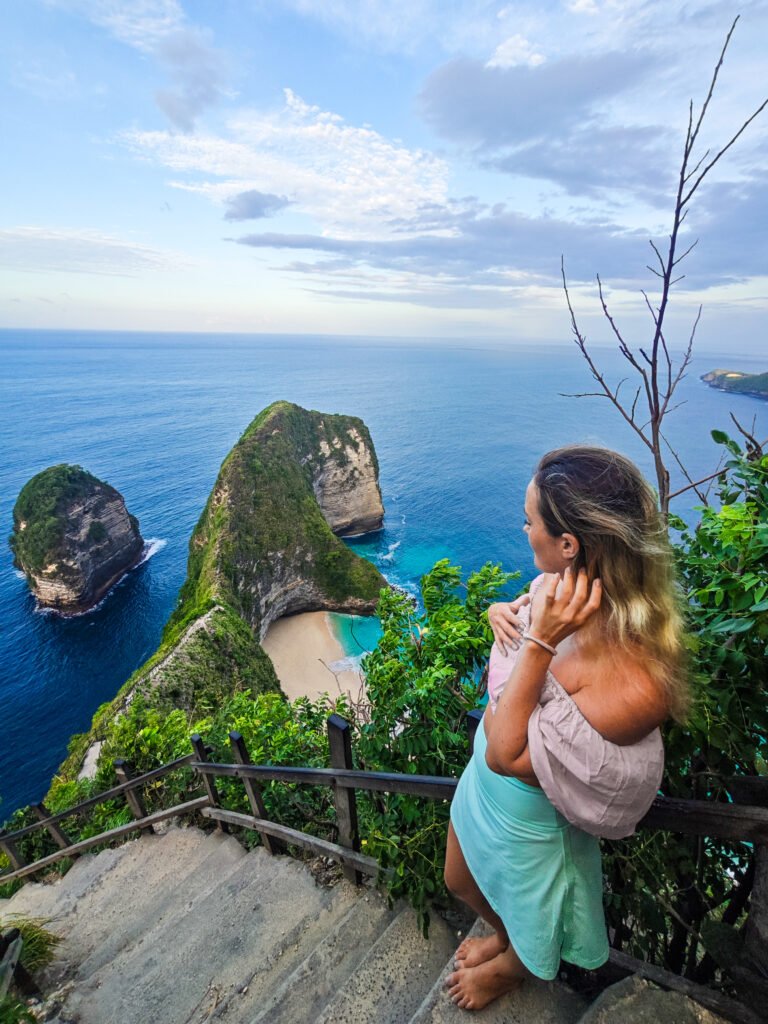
(349, 664)
(19, 574)
(151, 547)
(390, 555)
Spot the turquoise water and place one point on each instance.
(457, 431)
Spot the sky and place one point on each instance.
(399, 168)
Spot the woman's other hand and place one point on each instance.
(506, 624)
(563, 604)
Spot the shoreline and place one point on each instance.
(308, 657)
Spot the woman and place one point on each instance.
(583, 671)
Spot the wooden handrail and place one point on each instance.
(107, 794)
(322, 847)
(434, 787)
(105, 837)
(688, 817)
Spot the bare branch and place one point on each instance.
(689, 249)
(753, 445)
(634, 403)
(648, 304)
(693, 170)
(597, 375)
(658, 254)
(677, 406)
(585, 394)
(685, 363)
(685, 472)
(712, 476)
(659, 377)
(724, 150)
(712, 84)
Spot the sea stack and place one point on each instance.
(73, 538)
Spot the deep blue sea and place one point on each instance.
(458, 429)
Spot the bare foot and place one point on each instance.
(476, 951)
(472, 988)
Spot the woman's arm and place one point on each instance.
(506, 731)
(560, 608)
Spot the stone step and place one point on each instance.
(394, 976)
(537, 1002)
(317, 979)
(246, 933)
(140, 900)
(636, 1001)
(56, 899)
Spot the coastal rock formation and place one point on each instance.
(73, 538)
(266, 545)
(754, 384)
(345, 481)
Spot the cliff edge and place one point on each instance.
(73, 538)
(266, 545)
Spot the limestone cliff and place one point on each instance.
(73, 538)
(266, 545)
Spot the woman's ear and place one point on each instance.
(569, 545)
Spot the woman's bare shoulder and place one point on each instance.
(625, 702)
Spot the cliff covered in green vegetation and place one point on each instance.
(264, 547)
(73, 538)
(741, 383)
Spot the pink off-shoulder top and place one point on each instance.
(600, 787)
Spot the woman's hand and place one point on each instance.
(506, 624)
(563, 604)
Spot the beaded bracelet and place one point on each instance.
(541, 643)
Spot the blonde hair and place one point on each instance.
(602, 498)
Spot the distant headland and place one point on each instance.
(755, 384)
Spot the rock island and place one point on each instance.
(73, 538)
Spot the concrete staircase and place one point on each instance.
(188, 927)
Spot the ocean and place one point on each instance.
(458, 429)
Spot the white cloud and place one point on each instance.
(582, 7)
(143, 24)
(80, 251)
(159, 28)
(353, 181)
(513, 51)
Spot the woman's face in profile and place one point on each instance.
(550, 554)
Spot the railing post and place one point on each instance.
(754, 791)
(473, 720)
(11, 970)
(60, 837)
(253, 791)
(208, 781)
(132, 796)
(10, 849)
(340, 743)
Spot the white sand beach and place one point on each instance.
(308, 658)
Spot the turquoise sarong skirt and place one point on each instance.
(542, 876)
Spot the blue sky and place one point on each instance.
(377, 167)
